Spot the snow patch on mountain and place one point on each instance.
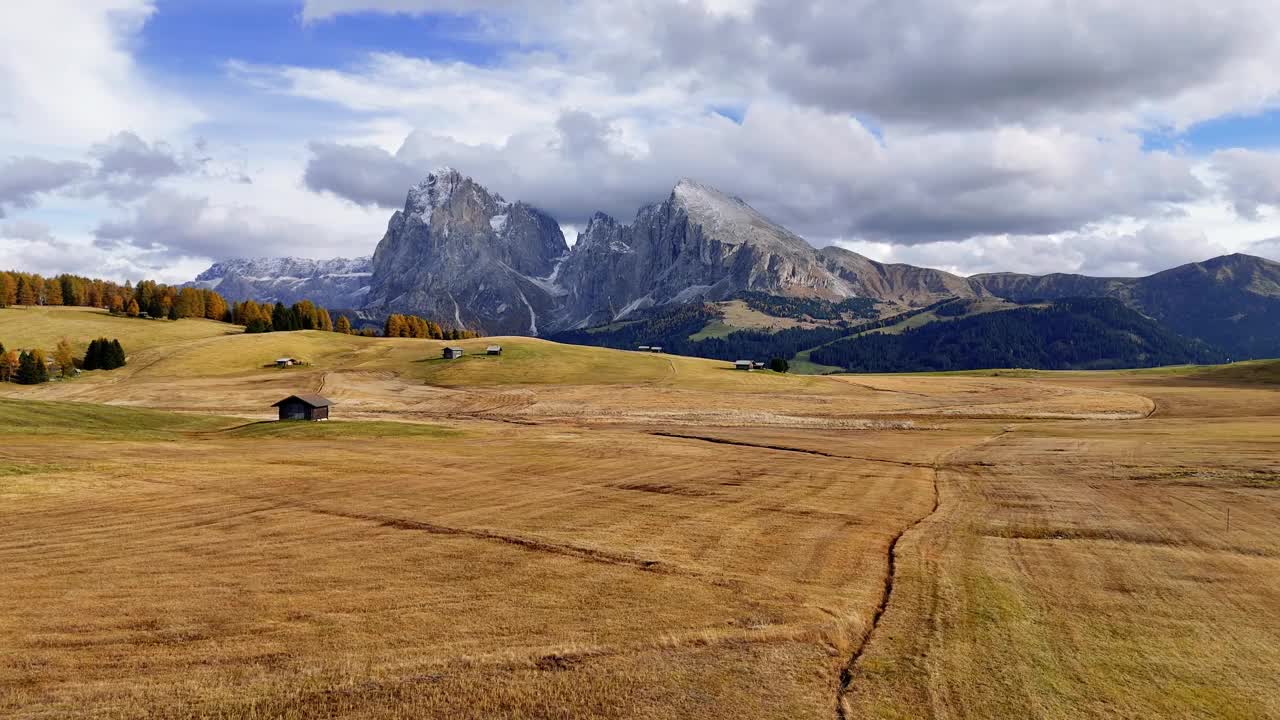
(335, 283)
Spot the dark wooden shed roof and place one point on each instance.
(307, 399)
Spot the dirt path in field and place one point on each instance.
(848, 675)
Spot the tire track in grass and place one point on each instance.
(784, 448)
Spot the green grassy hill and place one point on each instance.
(29, 417)
(185, 350)
(43, 327)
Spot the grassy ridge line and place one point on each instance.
(43, 327)
(34, 417)
(1265, 372)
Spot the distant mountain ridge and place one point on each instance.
(1232, 301)
(462, 255)
(339, 282)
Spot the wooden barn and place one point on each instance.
(304, 407)
(493, 350)
(452, 353)
(744, 365)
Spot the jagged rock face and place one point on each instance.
(463, 256)
(703, 244)
(337, 283)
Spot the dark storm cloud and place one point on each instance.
(1251, 178)
(362, 174)
(950, 63)
(24, 179)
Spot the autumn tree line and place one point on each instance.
(156, 300)
(412, 326)
(148, 297)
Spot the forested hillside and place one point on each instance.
(1096, 333)
(672, 329)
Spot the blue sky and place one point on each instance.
(152, 137)
(194, 38)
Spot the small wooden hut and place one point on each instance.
(304, 407)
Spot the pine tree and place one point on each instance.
(71, 294)
(53, 292)
(93, 356)
(173, 312)
(116, 355)
(280, 318)
(343, 325)
(31, 368)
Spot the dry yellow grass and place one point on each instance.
(583, 533)
(1088, 570)
(587, 572)
(43, 327)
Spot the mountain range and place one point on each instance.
(462, 255)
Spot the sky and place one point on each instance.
(150, 138)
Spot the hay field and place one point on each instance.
(583, 533)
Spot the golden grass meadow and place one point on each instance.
(571, 532)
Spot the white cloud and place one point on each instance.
(68, 77)
(1107, 250)
(1251, 179)
(33, 247)
(822, 174)
(960, 134)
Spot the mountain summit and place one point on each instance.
(466, 257)
(702, 244)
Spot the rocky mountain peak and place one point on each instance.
(730, 219)
(447, 195)
(463, 256)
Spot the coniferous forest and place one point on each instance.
(1067, 335)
